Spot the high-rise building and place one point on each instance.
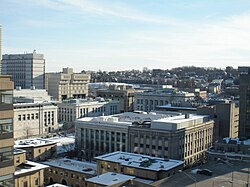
(67, 84)
(244, 127)
(0, 49)
(7, 168)
(27, 70)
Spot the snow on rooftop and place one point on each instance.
(73, 165)
(64, 144)
(32, 143)
(179, 122)
(126, 118)
(236, 141)
(110, 178)
(140, 161)
(29, 166)
(181, 118)
(57, 185)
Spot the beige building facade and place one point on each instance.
(183, 137)
(67, 84)
(122, 93)
(138, 165)
(70, 110)
(37, 149)
(149, 100)
(7, 168)
(69, 172)
(34, 119)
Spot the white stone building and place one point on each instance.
(34, 119)
(70, 110)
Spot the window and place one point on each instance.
(6, 126)
(19, 117)
(6, 97)
(25, 184)
(36, 182)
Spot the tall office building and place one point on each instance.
(27, 70)
(7, 168)
(244, 127)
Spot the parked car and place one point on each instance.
(205, 172)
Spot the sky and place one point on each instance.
(128, 34)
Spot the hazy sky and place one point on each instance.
(128, 34)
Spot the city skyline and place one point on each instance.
(119, 35)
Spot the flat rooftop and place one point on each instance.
(179, 122)
(127, 118)
(73, 165)
(110, 178)
(29, 166)
(32, 143)
(235, 141)
(140, 161)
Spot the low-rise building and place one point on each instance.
(149, 100)
(37, 149)
(122, 93)
(29, 174)
(230, 149)
(70, 110)
(104, 134)
(69, 172)
(34, 119)
(138, 165)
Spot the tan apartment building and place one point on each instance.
(67, 84)
(182, 137)
(27, 174)
(37, 149)
(34, 119)
(122, 93)
(70, 110)
(138, 165)
(69, 172)
(7, 168)
(149, 100)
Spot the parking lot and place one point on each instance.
(225, 174)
